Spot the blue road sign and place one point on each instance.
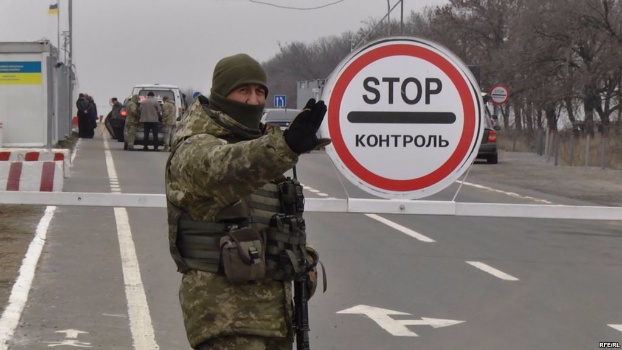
(280, 101)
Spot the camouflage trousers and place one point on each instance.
(167, 137)
(131, 134)
(247, 342)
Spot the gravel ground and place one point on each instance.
(522, 170)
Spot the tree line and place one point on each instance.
(559, 58)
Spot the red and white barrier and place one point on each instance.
(37, 155)
(31, 176)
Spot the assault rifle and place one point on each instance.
(301, 310)
(301, 284)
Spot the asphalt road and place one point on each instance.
(474, 283)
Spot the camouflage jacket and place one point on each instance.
(218, 162)
(131, 110)
(168, 113)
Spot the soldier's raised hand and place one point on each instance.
(301, 136)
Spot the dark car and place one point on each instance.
(488, 147)
(280, 117)
(115, 123)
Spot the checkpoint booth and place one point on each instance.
(36, 95)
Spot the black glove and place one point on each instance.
(300, 136)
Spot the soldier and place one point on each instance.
(168, 121)
(224, 187)
(131, 121)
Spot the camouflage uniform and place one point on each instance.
(131, 121)
(216, 161)
(168, 119)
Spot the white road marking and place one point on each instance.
(511, 194)
(401, 228)
(72, 333)
(322, 194)
(312, 190)
(21, 288)
(617, 327)
(75, 151)
(115, 315)
(491, 270)
(396, 327)
(141, 325)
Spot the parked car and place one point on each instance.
(280, 117)
(488, 147)
(115, 123)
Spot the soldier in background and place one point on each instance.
(223, 183)
(131, 121)
(168, 121)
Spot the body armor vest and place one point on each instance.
(275, 211)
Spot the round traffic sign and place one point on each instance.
(405, 117)
(499, 94)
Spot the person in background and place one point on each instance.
(92, 115)
(149, 115)
(131, 121)
(84, 124)
(168, 121)
(116, 108)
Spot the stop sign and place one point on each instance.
(405, 116)
(499, 94)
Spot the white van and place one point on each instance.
(171, 91)
(159, 91)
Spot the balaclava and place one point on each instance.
(230, 73)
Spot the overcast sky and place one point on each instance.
(122, 43)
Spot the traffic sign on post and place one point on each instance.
(499, 94)
(280, 101)
(405, 116)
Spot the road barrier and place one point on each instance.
(352, 205)
(38, 154)
(31, 176)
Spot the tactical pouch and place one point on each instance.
(285, 247)
(243, 256)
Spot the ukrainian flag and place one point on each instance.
(53, 9)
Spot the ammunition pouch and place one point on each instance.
(286, 252)
(242, 255)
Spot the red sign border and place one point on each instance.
(446, 168)
(501, 86)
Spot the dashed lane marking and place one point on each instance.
(491, 270)
(617, 327)
(511, 194)
(141, 325)
(401, 228)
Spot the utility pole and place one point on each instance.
(389, 18)
(401, 19)
(70, 13)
